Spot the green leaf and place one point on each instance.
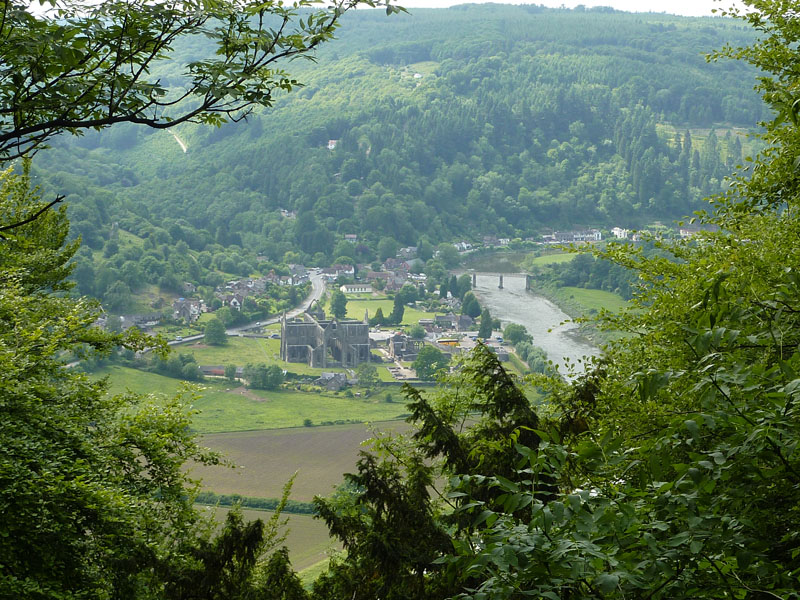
(607, 582)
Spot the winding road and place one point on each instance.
(317, 289)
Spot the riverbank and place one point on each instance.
(549, 326)
(581, 305)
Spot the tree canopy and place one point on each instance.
(215, 333)
(430, 362)
(91, 485)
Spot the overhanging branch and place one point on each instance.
(32, 218)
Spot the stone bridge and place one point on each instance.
(500, 276)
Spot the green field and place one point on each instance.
(550, 259)
(245, 410)
(230, 407)
(240, 351)
(357, 306)
(307, 538)
(592, 301)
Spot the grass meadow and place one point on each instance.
(240, 351)
(592, 301)
(357, 306)
(225, 407)
(550, 259)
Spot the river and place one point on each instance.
(543, 319)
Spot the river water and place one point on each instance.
(543, 319)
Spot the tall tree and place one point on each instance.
(338, 304)
(393, 517)
(470, 306)
(485, 329)
(215, 333)
(398, 310)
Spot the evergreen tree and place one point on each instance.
(485, 329)
(398, 309)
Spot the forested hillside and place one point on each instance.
(449, 124)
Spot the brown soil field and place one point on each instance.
(265, 460)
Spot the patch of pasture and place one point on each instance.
(357, 307)
(224, 406)
(224, 409)
(550, 259)
(238, 351)
(592, 301)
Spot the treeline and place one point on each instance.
(294, 507)
(449, 124)
(588, 271)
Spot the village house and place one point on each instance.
(566, 237)
(350, 237)
(299, 274)
(144, 321)
(187, 309)
(407, 253)
(333, 272)
(463, 246)
(235, 301)
(690, 231)
(333, 382)
(620, 233)
(373, 276)
(356, 288)
(396, 264)
(218, 371)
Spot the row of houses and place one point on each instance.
(566, 237)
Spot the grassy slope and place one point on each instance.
(549, 259)
(593, 300)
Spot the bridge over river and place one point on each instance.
(508, 297)
(499, 276)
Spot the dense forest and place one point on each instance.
(447, 125)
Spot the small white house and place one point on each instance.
(620, 233)
(356, 288)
